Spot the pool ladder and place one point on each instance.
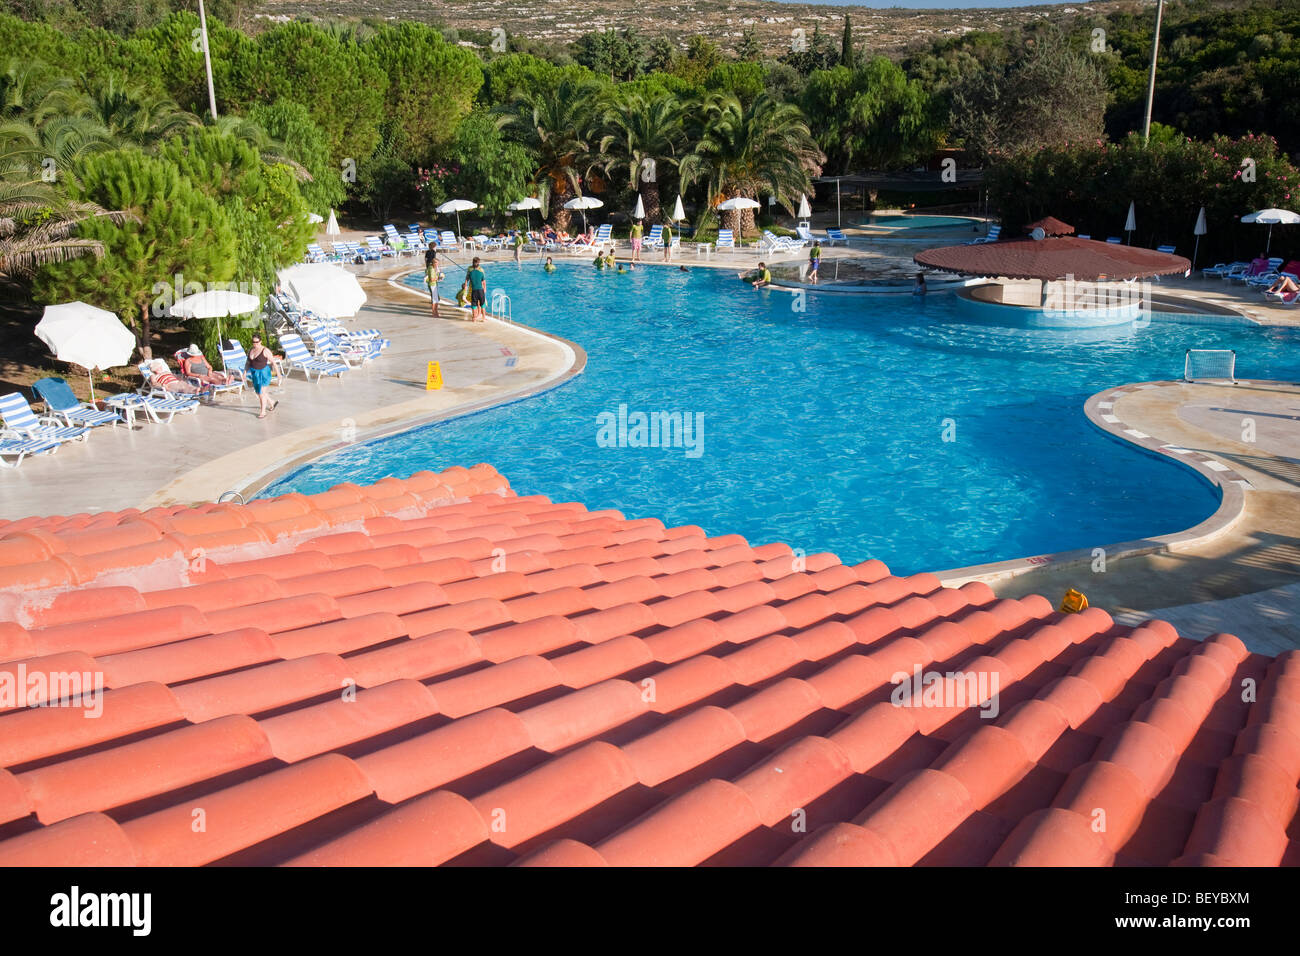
(501, 307)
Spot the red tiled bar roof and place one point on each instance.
(1052, 259)
(434, 670)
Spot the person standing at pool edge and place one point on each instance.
(477, 280)
(668, 242)
(814, 261)
(635, 237)
(519, 246)
(431, 277)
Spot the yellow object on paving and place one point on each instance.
(434, 379)
(1073, 602)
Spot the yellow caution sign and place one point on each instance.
(434, 379)
(1073, 602)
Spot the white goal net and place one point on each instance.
(1210, 365)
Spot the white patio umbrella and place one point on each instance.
(215, 304)
(639, 211)
(525, 205)
(84, 335)
(1130, 224)
(584, 203)
(1198, 230)
(326, 289)
(457, 206)
(1271, 218)
(738, 203)
(332, 227)
(805, 210)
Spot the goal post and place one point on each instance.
(1210, 365)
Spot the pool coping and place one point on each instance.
(286, 466)
(1099, 411)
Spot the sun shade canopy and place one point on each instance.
(1053, 259)
(1051, 226)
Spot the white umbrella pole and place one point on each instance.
(1269, 245)
(1196, 249)
(90, 377)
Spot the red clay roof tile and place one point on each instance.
(680, 699)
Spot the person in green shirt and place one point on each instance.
(668, 241)
(635, 235)
(814, 261)
(764, 276)
(477, 280)
(518, 243)
(600, 262)
(550, 265)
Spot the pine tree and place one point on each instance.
(749, 50)
(179, 231)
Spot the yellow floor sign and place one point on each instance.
(434, 379)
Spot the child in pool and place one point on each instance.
(600, 262)
(550, 265)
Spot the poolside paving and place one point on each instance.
(224, 447)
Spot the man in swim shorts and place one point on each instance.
(635, 236)
(477, 280)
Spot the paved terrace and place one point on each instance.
(224, 447)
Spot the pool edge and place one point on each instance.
(1230, 485)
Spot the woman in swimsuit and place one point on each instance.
(260, 360)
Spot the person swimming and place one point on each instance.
(550, 265)
(600, 262)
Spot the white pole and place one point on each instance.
(207, 61)
(1151, 78)
(838, 223)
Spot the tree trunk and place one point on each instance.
(650, 198)
(561, 217)
(146, 334)
(747, 224)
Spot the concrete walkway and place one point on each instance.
(224, 447)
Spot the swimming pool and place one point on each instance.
(903, 221)
(827, 428)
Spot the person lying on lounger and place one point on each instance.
(194, 365)
(160, 376)
(1283, 285)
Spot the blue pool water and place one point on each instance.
(899, 221)
(825, 428)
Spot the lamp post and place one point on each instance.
(207, 61)
(1151, 77)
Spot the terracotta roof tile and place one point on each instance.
(434, 671)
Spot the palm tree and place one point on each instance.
(741, 151)
(557, 126)
(38, 225)
(135, 117)
(643, 138)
